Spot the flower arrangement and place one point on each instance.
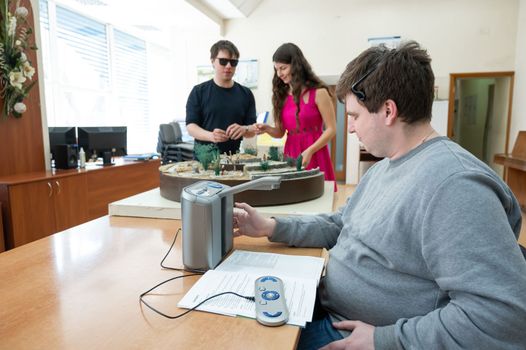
(16, 71)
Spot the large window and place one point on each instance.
(97, 75)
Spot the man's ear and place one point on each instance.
(391, 112)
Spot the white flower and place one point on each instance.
(17, 79)
(11, 29)
(16, 70)
(28, 70)
(21, 12)
(19, 107)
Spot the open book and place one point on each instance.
(300, 275)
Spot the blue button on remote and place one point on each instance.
(270, 295)
(268, 278)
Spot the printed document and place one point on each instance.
(300, 275)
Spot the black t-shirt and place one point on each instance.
(213, 107)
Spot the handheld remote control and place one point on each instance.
(271, 308)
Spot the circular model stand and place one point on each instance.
(291, 190)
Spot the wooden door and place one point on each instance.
(32, 212)
(2, 244)
(338, 145)
(468, 114)
(70, 201)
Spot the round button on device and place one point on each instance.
(270, 295)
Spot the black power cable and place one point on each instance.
(197, 273)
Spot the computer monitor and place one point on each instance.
(61, 135)
(95, 140)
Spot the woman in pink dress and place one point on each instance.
(302, 107)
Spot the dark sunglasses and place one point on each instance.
(225, 61)
(360, 94)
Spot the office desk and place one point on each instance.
(79, 289)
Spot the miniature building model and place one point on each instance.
(296, 185)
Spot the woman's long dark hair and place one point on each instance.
(302, 76)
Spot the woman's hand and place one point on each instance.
(261, 128)
(306, 157)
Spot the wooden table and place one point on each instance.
(79, 289)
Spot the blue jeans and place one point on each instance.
(318, 333)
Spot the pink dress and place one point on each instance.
(310, 129)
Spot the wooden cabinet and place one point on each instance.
(113, 183)
(70, 202)
(2, 244)
(40, 208)
(36, 205)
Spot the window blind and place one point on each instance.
(131, 85)
(96, 75)
(83, 44)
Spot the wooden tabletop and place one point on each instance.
(79, 289)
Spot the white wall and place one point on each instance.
(191, 48)
(439, 116)
(461, 36)
(518, 119)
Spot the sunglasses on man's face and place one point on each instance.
(225, 61)
(360, 94)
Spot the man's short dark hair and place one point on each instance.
(403, 75)
(224, 45)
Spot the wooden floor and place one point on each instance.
(345, 191)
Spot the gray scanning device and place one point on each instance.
(207, 214)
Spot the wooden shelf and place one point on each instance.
(510, 161)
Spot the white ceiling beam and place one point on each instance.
(246, 7)
(210, 13)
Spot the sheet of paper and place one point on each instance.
(300, 295)
(278, 264)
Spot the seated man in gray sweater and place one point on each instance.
(424, 254)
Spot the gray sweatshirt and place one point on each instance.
(425, 250)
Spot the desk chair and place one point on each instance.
(171, 146)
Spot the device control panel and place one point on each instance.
(271, 307)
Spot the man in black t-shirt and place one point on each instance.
(220, 110)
